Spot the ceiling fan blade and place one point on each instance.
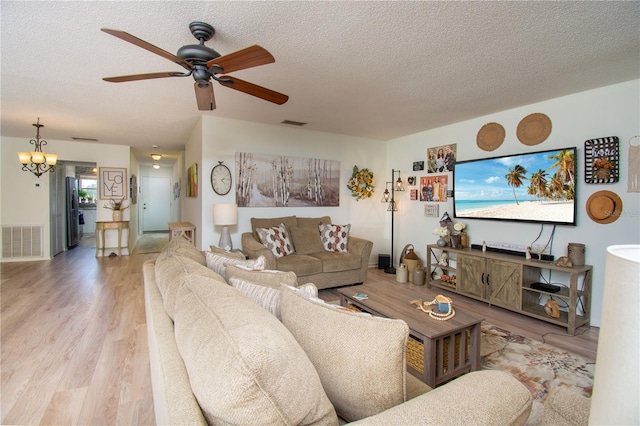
(242, 59)
(150, 76)
(148, 46)
(253, 89)
(205, 98)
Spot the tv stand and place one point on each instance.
(507, 280)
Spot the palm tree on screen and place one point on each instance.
(515, 177)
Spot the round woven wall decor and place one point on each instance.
(534, 129)
(490, 136)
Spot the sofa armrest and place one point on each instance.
(362, 248)
(565, 407)
(480, 398)
(254, 249)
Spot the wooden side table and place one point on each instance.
(183, 229)
(101, 227)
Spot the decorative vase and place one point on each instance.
(117, 215)
(402, 273)
(464, 240)
(418, 276)
(455, 241)
(441, 242)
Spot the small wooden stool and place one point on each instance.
(183, 229)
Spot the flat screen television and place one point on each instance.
(537, 187)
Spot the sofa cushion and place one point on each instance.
(265, 296)
(277, 240)
(312, 222)
(243, 364)
(307, 240)
(334, 237)
(301, 264)
(170, 273)
(360, 358)
(217, 262)
(270, 278)
(335, 262)
(179, 246)
(288, 221)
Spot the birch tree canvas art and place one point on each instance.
(280, 181)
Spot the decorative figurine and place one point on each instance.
(527, 254)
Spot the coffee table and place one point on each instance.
(429, 350)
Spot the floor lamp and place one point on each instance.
(225, 215)
(390, 198)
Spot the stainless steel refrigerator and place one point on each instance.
(73, 234)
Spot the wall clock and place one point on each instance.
(221, 179)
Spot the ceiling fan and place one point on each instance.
(204, 64)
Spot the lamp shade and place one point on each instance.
(225, 214)
(616, 385)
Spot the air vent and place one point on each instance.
(294, 123)
(84, 139)
(22, 241)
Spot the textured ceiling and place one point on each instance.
(378, 70)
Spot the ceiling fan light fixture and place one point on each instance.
(156, 157)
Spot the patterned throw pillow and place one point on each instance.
(217, 263)
(277, 240)
(268, 297)
(334, 237)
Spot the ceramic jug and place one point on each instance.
(402, 273)
(418, 276)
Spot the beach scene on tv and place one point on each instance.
(534, 187)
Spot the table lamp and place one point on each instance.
(225, 215)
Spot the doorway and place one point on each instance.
(156, 203)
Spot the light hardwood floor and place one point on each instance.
(74, 340)
(74, 345)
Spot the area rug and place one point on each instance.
(542, 368)
(151, 243)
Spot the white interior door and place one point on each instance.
(156, 203)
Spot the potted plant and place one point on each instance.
(118, 207)
(82, 194)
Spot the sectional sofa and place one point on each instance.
(262, 352)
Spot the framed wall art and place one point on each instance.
(441, 158)
(192, 180)
(264, 180)
(113, 183)
(133, 189)
(601, 158)
(434, 188)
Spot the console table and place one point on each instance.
(183, 229)
(508, 281)
(101, 227)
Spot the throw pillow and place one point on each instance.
(217, 263)
(307, 240)
(360, 358)
(266, 277)
(277, 240)
(244, 367)
(265, 296)
(334, 237)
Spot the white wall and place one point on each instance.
(608, 111)
(24, 203)
(222, 138)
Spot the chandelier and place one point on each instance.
(37, 162)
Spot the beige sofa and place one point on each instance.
(311, 263)
(219, 357)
